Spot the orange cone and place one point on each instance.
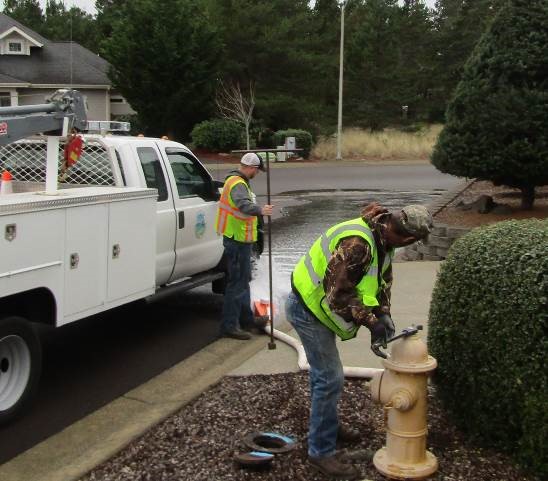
(262, 308)
(6, 184)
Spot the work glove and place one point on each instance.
(381, 332)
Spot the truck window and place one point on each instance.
(154, 177)
(120, 166)
(190, 177)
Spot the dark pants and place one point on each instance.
(237, 303)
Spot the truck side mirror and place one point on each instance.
(217, 188)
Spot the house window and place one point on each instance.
(117, 100)
(5, 99)
(15, 47)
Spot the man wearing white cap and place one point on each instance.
(237, 222)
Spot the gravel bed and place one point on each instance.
(199, 442)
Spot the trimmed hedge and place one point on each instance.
(488, 331)
(218, 135)
(303, 140)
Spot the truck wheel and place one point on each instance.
(218, 286)
(20, 366)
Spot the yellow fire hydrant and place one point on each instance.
(401, 389)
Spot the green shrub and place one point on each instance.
(303, 140)
(488, 331)
(217, 135)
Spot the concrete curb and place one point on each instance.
(71, 453)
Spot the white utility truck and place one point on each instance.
(133, 218)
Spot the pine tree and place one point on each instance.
(274, 45)
(69, 25)
(497, 123)
(26, 12)
(164, 58)
(372, 97)
(458, 25)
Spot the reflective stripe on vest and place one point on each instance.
(231, 221)
(310, 272)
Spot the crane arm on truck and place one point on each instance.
(64, 110)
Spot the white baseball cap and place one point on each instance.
(253, 160)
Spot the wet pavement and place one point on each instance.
(312, 213)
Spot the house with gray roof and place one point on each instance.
(33, 67)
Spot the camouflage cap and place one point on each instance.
(415, 220)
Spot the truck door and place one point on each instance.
(198, 247)
(155, 177)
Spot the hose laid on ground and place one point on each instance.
(349, 371)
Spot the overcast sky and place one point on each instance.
(89, 5)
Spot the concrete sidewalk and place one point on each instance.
(87, 443)
(411, 293)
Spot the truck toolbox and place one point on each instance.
(94, 243)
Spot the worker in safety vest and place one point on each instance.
(342, 283)
(237, 222)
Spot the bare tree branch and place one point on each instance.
(232, 104)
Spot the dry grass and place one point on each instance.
(390, 144)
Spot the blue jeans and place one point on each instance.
(237, 302)
(326, 377)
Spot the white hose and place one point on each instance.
(349, 371)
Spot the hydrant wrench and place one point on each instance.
(408, 331)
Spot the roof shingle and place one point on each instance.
(66, 63)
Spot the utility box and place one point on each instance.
(281, 156)
(290, 144)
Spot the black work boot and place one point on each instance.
(237, 334)
(331, 466)
(258, 325)
(346, 434)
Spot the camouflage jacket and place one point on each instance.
(345, 270)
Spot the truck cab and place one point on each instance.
(186, 240)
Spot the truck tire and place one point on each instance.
(20, 366)
(218, 286)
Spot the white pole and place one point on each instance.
(52, 164)
(339, 123)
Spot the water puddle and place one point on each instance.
(310, 214)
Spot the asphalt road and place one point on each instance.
(94, 361)
(330, 176)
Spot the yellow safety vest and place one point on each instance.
(231, 221)
(309, 273)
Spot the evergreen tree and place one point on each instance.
(164, 58)
(109, 14)
(326, 25)
(497, 124)
(416, 80)
(74, 24)
(273, 44)
(372, 98)
(459, 25)
(26, 12)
